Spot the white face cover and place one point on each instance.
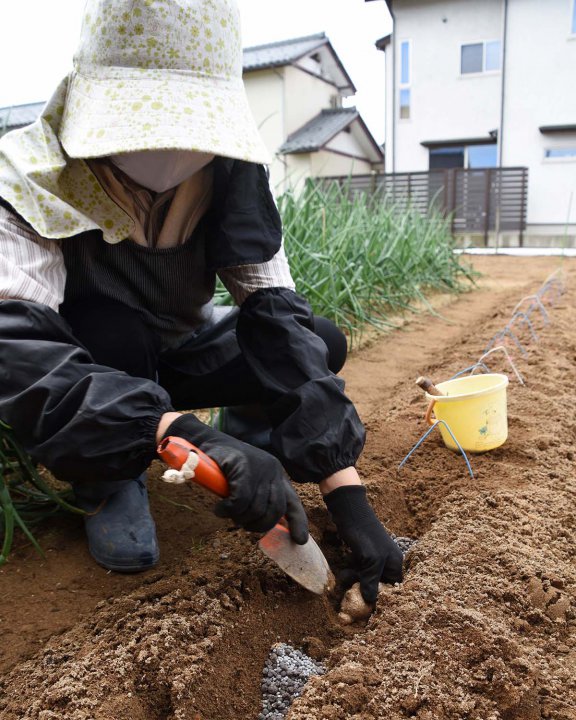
(160, 170)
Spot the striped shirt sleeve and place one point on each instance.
(243, 280)
(31, 267)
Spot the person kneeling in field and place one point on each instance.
(141, 182)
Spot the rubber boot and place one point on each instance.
(248, 423)
(121, 531)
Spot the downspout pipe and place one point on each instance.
(501, 128)
(503, 85)
(393, 88)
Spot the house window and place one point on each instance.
(480, 57)
(465, 156)
(405, 63)
(405, 80)
(405, 104)
(492, 52)
(565, 152)
(447, 157)
(472, 58)
(482, 156)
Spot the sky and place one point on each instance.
(39, 38)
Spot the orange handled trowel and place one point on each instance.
(304, 563)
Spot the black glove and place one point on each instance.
(260, 492)
(376, 557)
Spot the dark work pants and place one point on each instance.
(208, 370)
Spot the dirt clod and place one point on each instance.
(314, 647)
(353, 607)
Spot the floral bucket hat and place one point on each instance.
(148, 75)
(160, 74)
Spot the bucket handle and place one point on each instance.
(429, 411)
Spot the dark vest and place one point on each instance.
(173, 287)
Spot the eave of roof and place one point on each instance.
(318, 131)
(16, 116)
(289, 52)
(282, 52)
(379, 149)
(551, 129)
(323, 128)
(489, 139)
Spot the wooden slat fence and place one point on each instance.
(478, 201)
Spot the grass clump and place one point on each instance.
(359, 259)
(25, 497)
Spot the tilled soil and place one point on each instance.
(482, 628)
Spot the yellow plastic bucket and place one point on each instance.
(475, 409)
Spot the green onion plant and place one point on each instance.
(359, 259)
(25, 497)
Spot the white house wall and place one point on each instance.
(444, 104)
(325, 163)
(321, 164)
(298, 169)
(540, 91)
(265, 90)
(348, 142)
(305, 97)
(282, 100)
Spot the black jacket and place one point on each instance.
(81, 419)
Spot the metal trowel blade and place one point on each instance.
(305, 564)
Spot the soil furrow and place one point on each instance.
(483, 628)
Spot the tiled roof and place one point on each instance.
(281, 53)
(320, 130)
(19, 115)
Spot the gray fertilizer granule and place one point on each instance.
(404, 543)
(286, 671)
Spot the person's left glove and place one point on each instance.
(260, 491)
(375, 556)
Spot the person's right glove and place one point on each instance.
(375, 556)
(260, 491)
